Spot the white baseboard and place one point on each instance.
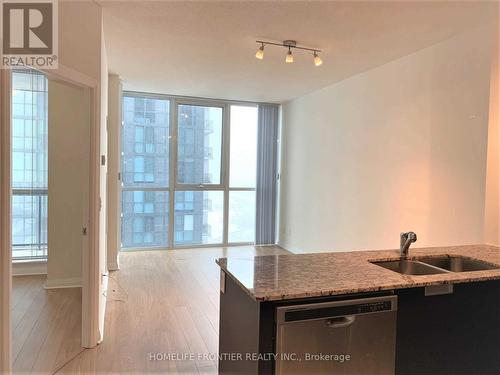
(74, 282)
(288, 247)
(29, 268)
(492, 244)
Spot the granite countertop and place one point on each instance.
(280, 277)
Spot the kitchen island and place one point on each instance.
(447, 322)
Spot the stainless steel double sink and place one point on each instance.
(434, 265)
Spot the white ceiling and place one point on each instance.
(207, 49)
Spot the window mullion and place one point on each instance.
(225, 168)
(172, 178)
(202, 187)
(241, 189)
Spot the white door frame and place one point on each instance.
(5, 219)
(90, 255)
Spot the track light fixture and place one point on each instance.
(289, 44)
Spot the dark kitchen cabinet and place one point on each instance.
(456, 333)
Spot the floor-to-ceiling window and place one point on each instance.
(191, 183)
(145, 172)
(29, 165)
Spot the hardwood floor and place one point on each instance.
(46, 325)
(162, 302)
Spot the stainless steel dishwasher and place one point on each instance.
(355, 336)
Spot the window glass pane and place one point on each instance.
(29, 226)
(241, 226)
(144, 218)
(198, 217)
(145, 142)
(29, 164)
(30, 133)
(199, 144)
(243, 146)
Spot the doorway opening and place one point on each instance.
(51, 125)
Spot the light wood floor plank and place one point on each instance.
(159, 302)
(48, 324)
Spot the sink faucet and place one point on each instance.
(405, 241)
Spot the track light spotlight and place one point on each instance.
(317, 59)
(289, 56)
(260, 52)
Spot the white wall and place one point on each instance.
(399, 147)
(82, 50)
(80, 31)
(492, 199)
(69, 152)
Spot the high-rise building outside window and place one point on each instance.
(29, 165)
(145, 172)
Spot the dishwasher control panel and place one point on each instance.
(307, 312)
